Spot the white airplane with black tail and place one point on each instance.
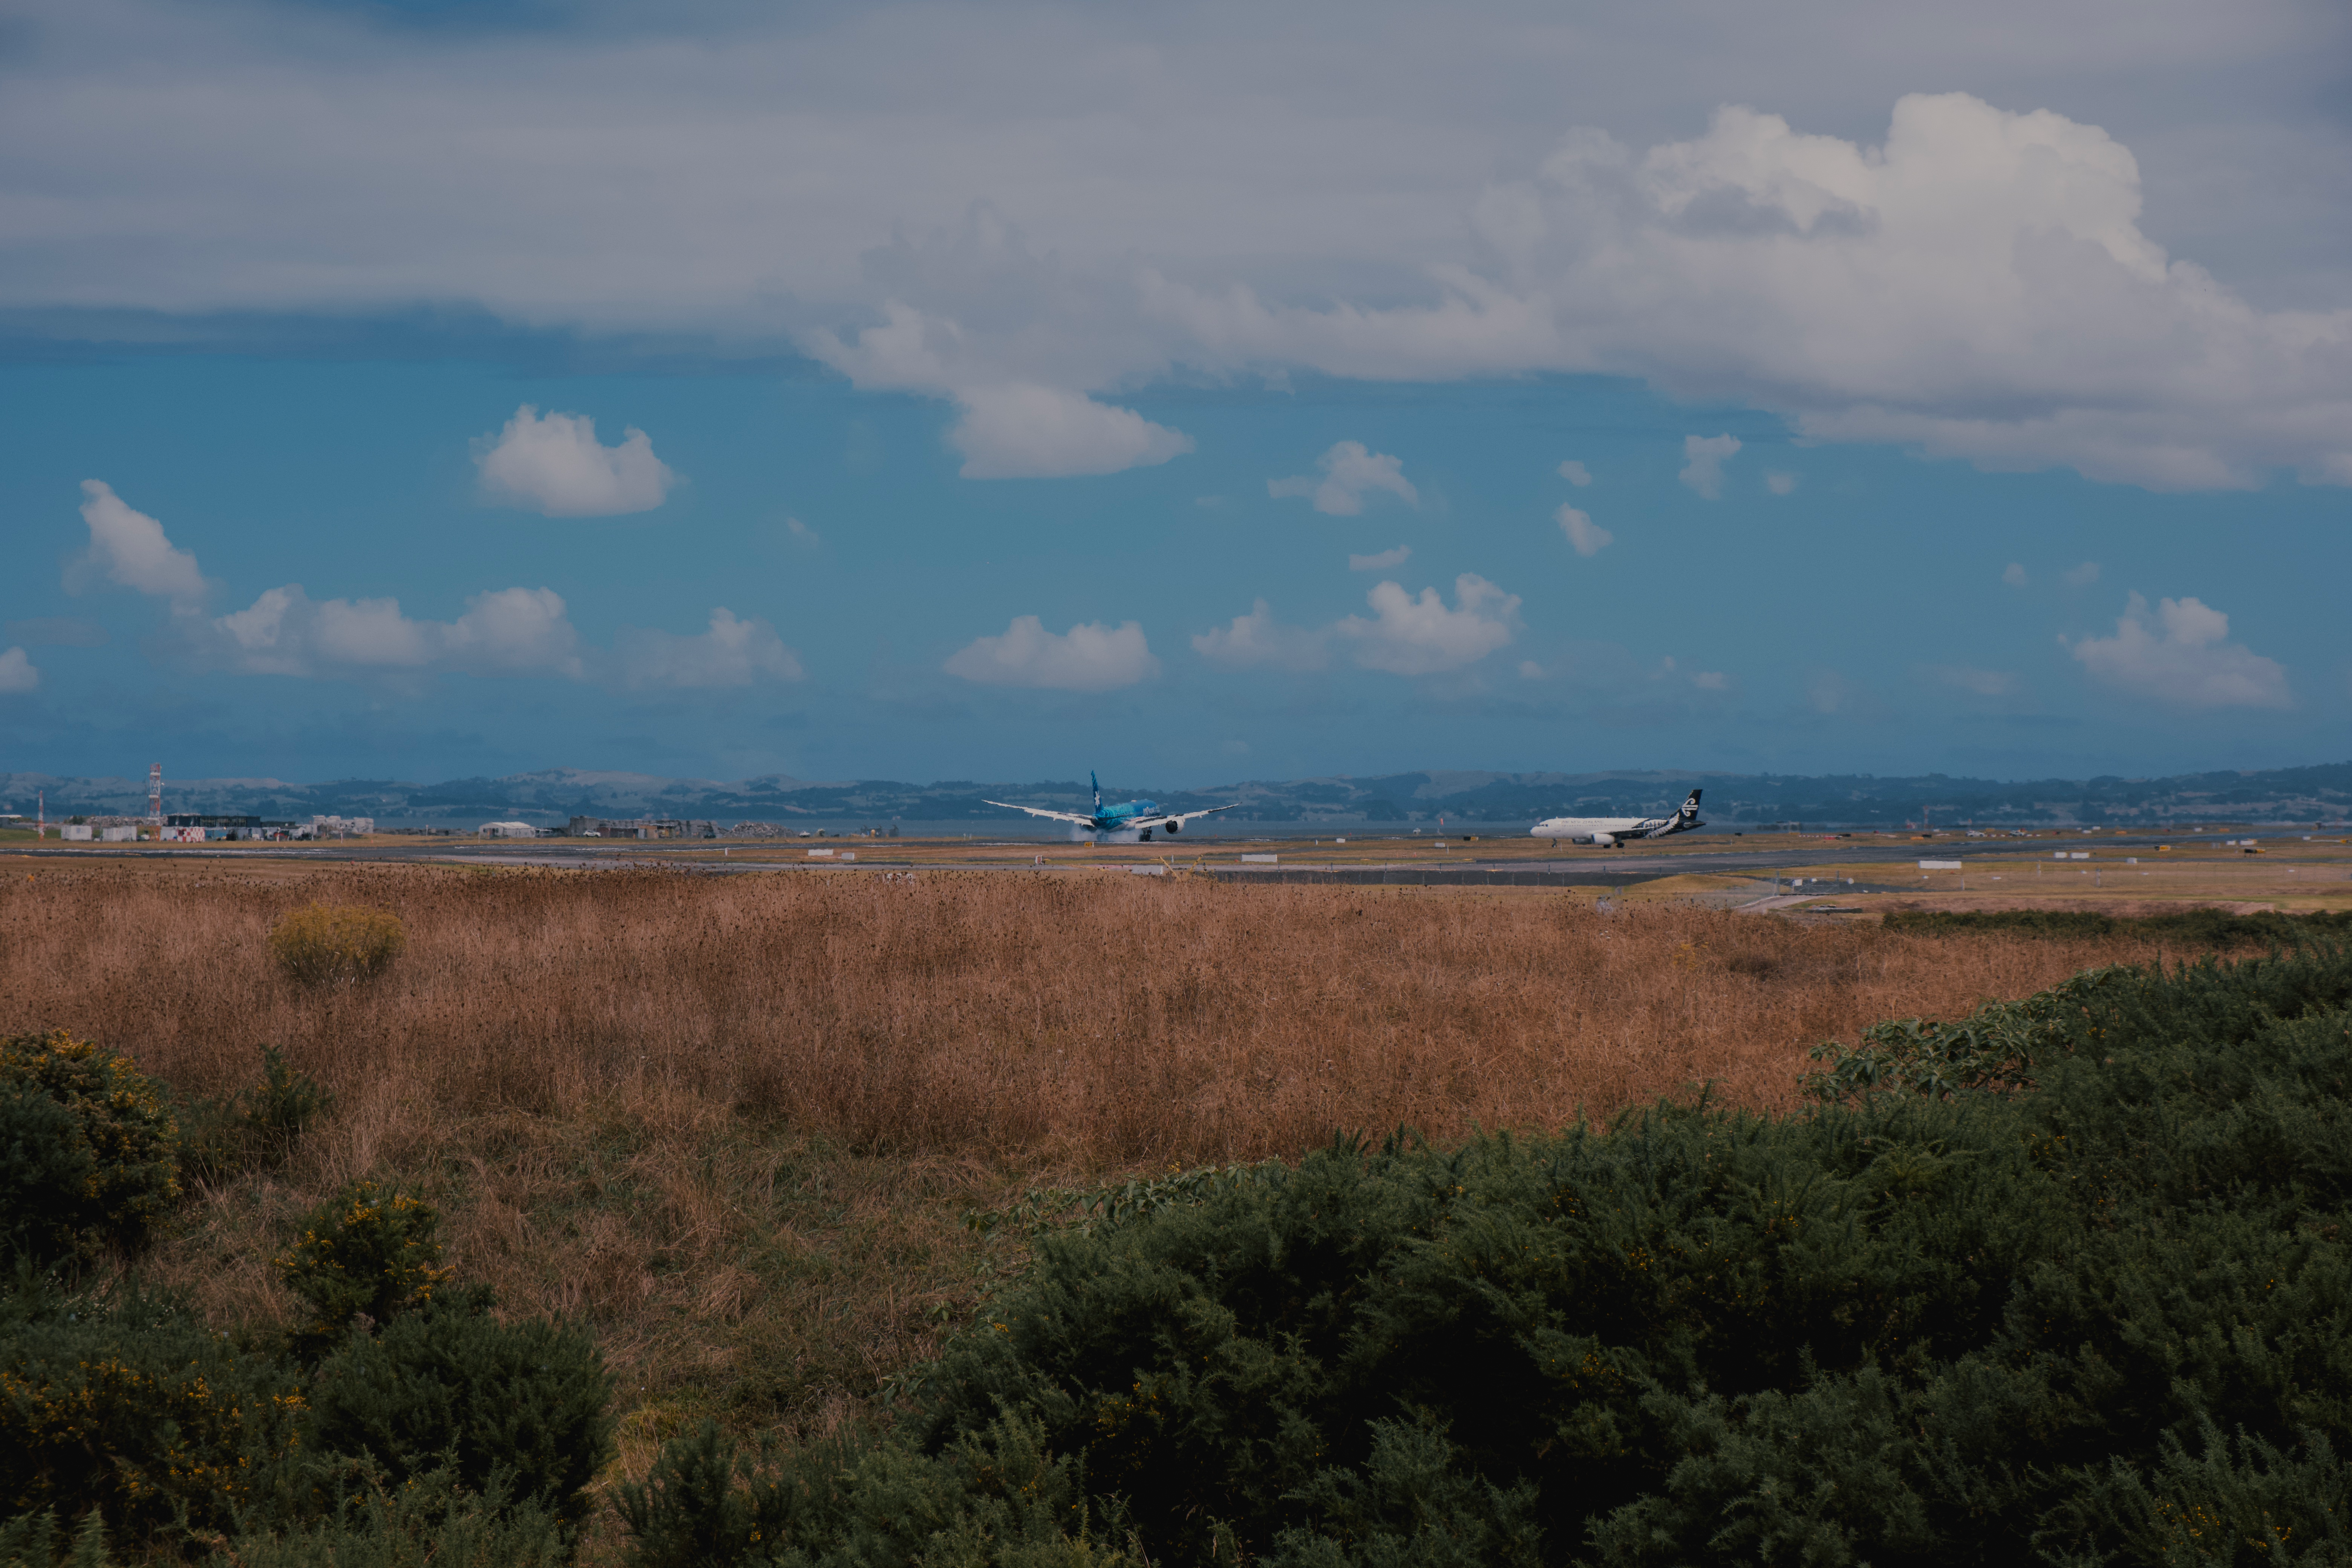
(1608, 832)
(1137, 816)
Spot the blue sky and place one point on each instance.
(918, 392)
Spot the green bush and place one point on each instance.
(87, 1158)
(2100, 1314)
(256, 1129)
(363, 1253)
(428, 1519)
(2193, 929)
(39, 1540)
(124, 1406)
(334, 943)
(519, 1406)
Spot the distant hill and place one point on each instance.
(2273, 795)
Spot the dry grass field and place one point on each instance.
(732, 1122)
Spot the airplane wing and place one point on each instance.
(1187, 816)
(1040, 811)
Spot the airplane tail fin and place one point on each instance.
(1690, 806)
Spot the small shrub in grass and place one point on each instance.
(366, 1252)
(517, 1406)
(330, 944)
(124, 1404)
(256, 1129)
(87, 1155)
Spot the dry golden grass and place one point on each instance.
(732, 1123)
(1099, 1020)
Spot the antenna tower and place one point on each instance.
(155, 793)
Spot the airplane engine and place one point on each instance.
(1174, 829)
(1604, 841)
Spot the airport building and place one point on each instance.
(640, 828)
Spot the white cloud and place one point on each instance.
(2014, 574)
(1258, 640)
(1089, 656)
(509, 631)
(1024, 431)
(554, 466)
(1711, 680)
(801, 533)
(1703, 460)
(1576, 473)
(1382, 561)
(731, 653)
(2080, 576)
(1409, 635)
(1968, 678)
(2181, 657)
(1970, 279)
(1781, 482)
(1582, 533)
(1351, 472)
(1530, 670)
(129, 548)
(17, 672)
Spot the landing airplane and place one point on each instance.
(1608, 832)
(1139, 817)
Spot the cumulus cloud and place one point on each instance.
(1025, 431)
(1977, 285)
(1089, 656)
(2080, 576)
(1349, 472)
(509, 631)
(1382, 561)
(1259, 641)
(733, 652)
(1703, 460)
(2181, 656)
(17, 672)
(1409, 635)
(1586, 536)
(554, 466)
(1781, 482)
(129, 548)
(1576, 473)
(2014, 574)
(1007, 427)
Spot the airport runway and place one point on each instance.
(1498, 863)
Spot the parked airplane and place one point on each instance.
(1608, 832)
(1137, 817)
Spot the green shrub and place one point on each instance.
(2102, 1313)
(126, 1407)
(363, 1253)
(520, 1407)
(428, 1519)
(39, 1541)
(995, 1498)
(256, 1129)
(336, 943)
(2193, 929)
(86, 1157)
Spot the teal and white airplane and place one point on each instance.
(1140, 817)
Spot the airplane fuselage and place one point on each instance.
(1608, 832)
